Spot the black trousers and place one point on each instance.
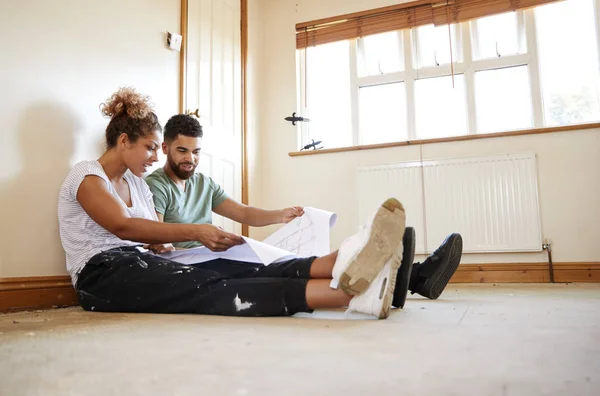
(127, 280)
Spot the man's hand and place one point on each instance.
(217, 239)
(289, 214)
(160, 247)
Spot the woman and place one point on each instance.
(106, 213)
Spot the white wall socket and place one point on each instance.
(174, 41)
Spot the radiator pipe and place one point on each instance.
(547, 246)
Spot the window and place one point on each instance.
(518, 70)
(328, 92)
(380, 54)
(568, 72)
(432, 46)
(498, 35)
(382, 113)
(440, 108)
(503, 99)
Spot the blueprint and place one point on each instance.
(307, 235)
(302, 237)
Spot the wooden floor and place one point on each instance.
(522, 339)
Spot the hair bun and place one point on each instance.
(127, 100)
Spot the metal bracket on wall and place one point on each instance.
(295, 119)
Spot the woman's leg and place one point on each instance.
(320, 295)
(125, 280)
(322, 267)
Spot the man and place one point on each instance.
(182, 195)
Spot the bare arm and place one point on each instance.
(108, 212)
(256, 217)
(160, 247)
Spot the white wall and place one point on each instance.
(59, 60)
(568, 162)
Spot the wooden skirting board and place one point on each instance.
(39, 292)
(527, 273)
(29, 293)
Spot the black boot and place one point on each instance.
(403, 276)
(430, 277)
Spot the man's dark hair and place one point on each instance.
(182, 124)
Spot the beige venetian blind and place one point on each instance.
(402, 16)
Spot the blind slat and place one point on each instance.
(465, 10)
(402, 16)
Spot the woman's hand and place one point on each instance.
(160, 247)
(217, 239)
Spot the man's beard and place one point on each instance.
(180, 173)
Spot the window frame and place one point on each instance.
(466, 66)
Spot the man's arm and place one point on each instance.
(256, 217)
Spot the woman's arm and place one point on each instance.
(108, 212)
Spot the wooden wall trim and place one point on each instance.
(183, 56)
(566, 128)
(244, 48)
(564, 272)
(502, 273)
(29, 293)
(34, 282)
(39, 292)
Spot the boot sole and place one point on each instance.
(386, 234)
(436, 284)
(408, 258)
(388, 288)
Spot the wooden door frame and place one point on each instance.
(244, 48)
(244, 56)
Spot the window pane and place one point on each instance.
(440, 109)
(433, 46)
(496, 36)
(381, 54)
(503, 100)
(328, 80)
(568, 57)
(383, 113)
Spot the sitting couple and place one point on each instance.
(107, 211)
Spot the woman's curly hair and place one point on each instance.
(130, 112)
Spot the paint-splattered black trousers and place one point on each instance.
(127, 280)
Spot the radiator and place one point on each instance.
(492, 201)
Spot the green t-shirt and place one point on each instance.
(192, 206)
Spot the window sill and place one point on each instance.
(565, 128)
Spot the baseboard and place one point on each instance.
(18, 294)
(577, 272)
(39, 292)
(527, 273)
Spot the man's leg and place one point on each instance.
(403, 277)
(304, 267)
(431, 277)
(376, 300)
